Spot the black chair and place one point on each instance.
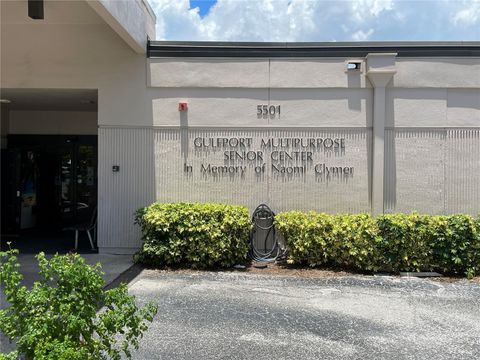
(87, 227)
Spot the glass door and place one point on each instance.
(28, 188)
(20, 195)
(85, 188)
(53, 181)
(77, 190)
(65, 185)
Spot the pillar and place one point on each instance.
(380, 71)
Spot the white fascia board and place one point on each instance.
(135, 41)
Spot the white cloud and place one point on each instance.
(175, 18)
(325, 20)
(470, 15)
(363, 9)
(360, 35)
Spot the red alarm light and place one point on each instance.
(182, 106)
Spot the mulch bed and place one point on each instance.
(295, 271)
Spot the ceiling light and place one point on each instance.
(5, 101)
(354, 65)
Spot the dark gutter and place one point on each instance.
(335, 49)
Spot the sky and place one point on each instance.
(320, 20)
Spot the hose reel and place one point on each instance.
(264, 244)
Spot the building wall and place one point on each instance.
(431, 131)
(432, 123)
(432, 140)
(73, 48)
(53, 122)
(433, 170)
(123, 192)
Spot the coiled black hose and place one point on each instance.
(263, 212)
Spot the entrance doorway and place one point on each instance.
(51, 184)
(48, 167)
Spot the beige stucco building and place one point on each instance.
(334, 127)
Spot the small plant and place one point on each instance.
(58, 319)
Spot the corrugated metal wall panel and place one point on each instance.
(434, 171)
(390, 177)
(462, 171)
(121, 193)
(419, 170)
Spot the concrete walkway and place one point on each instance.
(112, 265)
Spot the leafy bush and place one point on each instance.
(406, 242)
(210, 235)
(57, 319)
(349, 241)
(456, 245)
(192, 234)
(357, 238)
(308, 236)
(449, 244)
(392, 242)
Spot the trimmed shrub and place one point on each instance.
(392, 242)
(309, 236)
(216, 235)
(456, 244)
(357, 238)
(406, 243)
(193, 234)
(347, 241)
(449, 244)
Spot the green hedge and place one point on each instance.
(216, 235)
(393, 242)
(192, 234)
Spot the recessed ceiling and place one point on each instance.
(51, 99)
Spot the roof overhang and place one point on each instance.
(310, 49)
(134, 20)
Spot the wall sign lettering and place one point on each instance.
(277, 155)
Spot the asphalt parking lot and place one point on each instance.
(233, 315)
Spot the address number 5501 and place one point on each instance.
(268, 110)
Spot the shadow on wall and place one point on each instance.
(390, 177)
(354, 82)
(464, 98)
(184, 135)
